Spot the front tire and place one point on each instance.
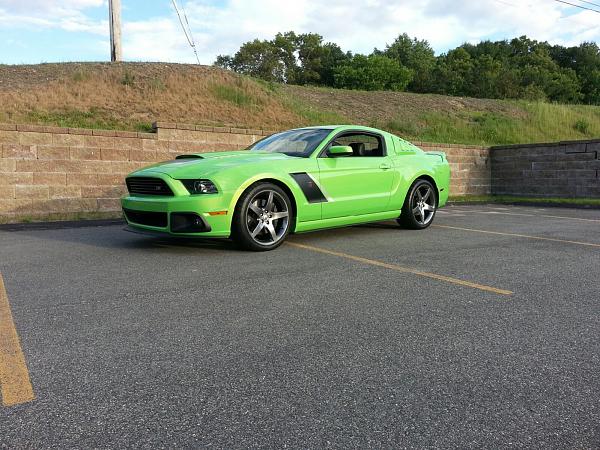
(420, 206)
(262, 218)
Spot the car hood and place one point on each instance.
(203, 164)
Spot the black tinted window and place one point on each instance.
(362, 144)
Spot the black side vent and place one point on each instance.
(311, 190)
(148, 186)
(189, 157)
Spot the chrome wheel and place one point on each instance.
(267, 217)
(423, 204)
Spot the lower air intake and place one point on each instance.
(148, 218)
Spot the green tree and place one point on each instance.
(540, 72)
(285, 46)
(289, 58)
(585, 61)
(416, 55)
(519, 68)
(256, 58)
(452, 73)
(372, 73)
(332, 58)
(310, 54)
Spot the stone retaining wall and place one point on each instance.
(52, 173)
(560, 169)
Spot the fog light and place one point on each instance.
(188, 223)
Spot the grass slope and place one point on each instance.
(132, 95)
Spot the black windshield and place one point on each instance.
(293, 143)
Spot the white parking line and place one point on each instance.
(549, 216)
(527, 236)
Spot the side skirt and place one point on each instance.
(335, 222)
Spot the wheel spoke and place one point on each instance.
(255, 209)
(269, 205)
(279, 215)
(419, 195)
(271, 230)
(428, 207)
(258, 229)
(427, 194)
(416, 210)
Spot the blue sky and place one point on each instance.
(34, 31)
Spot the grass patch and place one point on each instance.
(268, 85)
(80, 75)
(517, 199)
(94, 118)
(157, 85)
(313, 115)
(539, 122)
(238, 93)
(130, 96)
(464, 128)
(128, 79)
(582, 126)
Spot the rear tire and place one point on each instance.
(262, 218)
(419, 206)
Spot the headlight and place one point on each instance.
(195, 187)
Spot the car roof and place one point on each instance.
(341, 128)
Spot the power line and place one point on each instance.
(505, 3)
(578, 6)
(589, 3)
(527, 5)
(186, 28)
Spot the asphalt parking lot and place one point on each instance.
(480, 332)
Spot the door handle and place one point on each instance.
(385, 166)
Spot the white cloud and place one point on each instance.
(67, 15)
(359, 26)
(49, 7)
(155, 40)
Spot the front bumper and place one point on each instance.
(179, 215)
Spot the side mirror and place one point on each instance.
(340, 150)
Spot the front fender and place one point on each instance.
(305, 211)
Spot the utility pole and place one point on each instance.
(114, 19)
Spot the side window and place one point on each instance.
(362, 144)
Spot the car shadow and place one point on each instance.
(115, 235)
(380, 225)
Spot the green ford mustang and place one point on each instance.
(298, 180)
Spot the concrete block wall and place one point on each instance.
(560, 169)
(53, 173)
(470, 167)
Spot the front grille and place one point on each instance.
(151, 219)
(148, 186)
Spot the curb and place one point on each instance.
(57, 225)
(540, 204)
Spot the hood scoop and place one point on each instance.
(189, 157)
